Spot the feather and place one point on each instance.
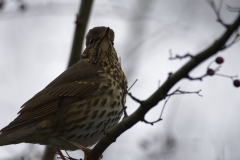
(72, 85)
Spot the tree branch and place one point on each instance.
(80, 29)
(161, 93)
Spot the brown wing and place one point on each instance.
(75, 83)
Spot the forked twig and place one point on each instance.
(176, 92)
(217, 11)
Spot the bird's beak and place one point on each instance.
(105, 34)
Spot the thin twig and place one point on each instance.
(213, 5)
(134, 98)
(176, 92)
(222, 75)
(218, 68)
(152, 123)
(125, 107)
(232, 9)
(196, 78)
(210, 64)
(235, 40)
(160, 117)
(178, 56)
(187, 92)
(132, 85)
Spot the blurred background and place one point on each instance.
(35, 42)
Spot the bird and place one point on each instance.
(78, 107)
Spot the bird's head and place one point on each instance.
(99, 46)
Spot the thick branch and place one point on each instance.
(81, 23)
(161, 93)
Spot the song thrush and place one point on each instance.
(80, 105)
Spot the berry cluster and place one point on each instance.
(211, 72)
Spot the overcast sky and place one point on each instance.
(35, 46)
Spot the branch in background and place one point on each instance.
(162, 92)
(2, 4)
(217, 11)
(233, 9)
(80, 29)
(81, 23)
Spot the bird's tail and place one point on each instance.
(15, 136)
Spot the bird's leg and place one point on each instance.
(84, 149)
(60, 154)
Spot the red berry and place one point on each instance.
(210, 72)
(236, 83)
(219, 60)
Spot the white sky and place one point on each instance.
(35, 47)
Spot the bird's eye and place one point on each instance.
(91, 41)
